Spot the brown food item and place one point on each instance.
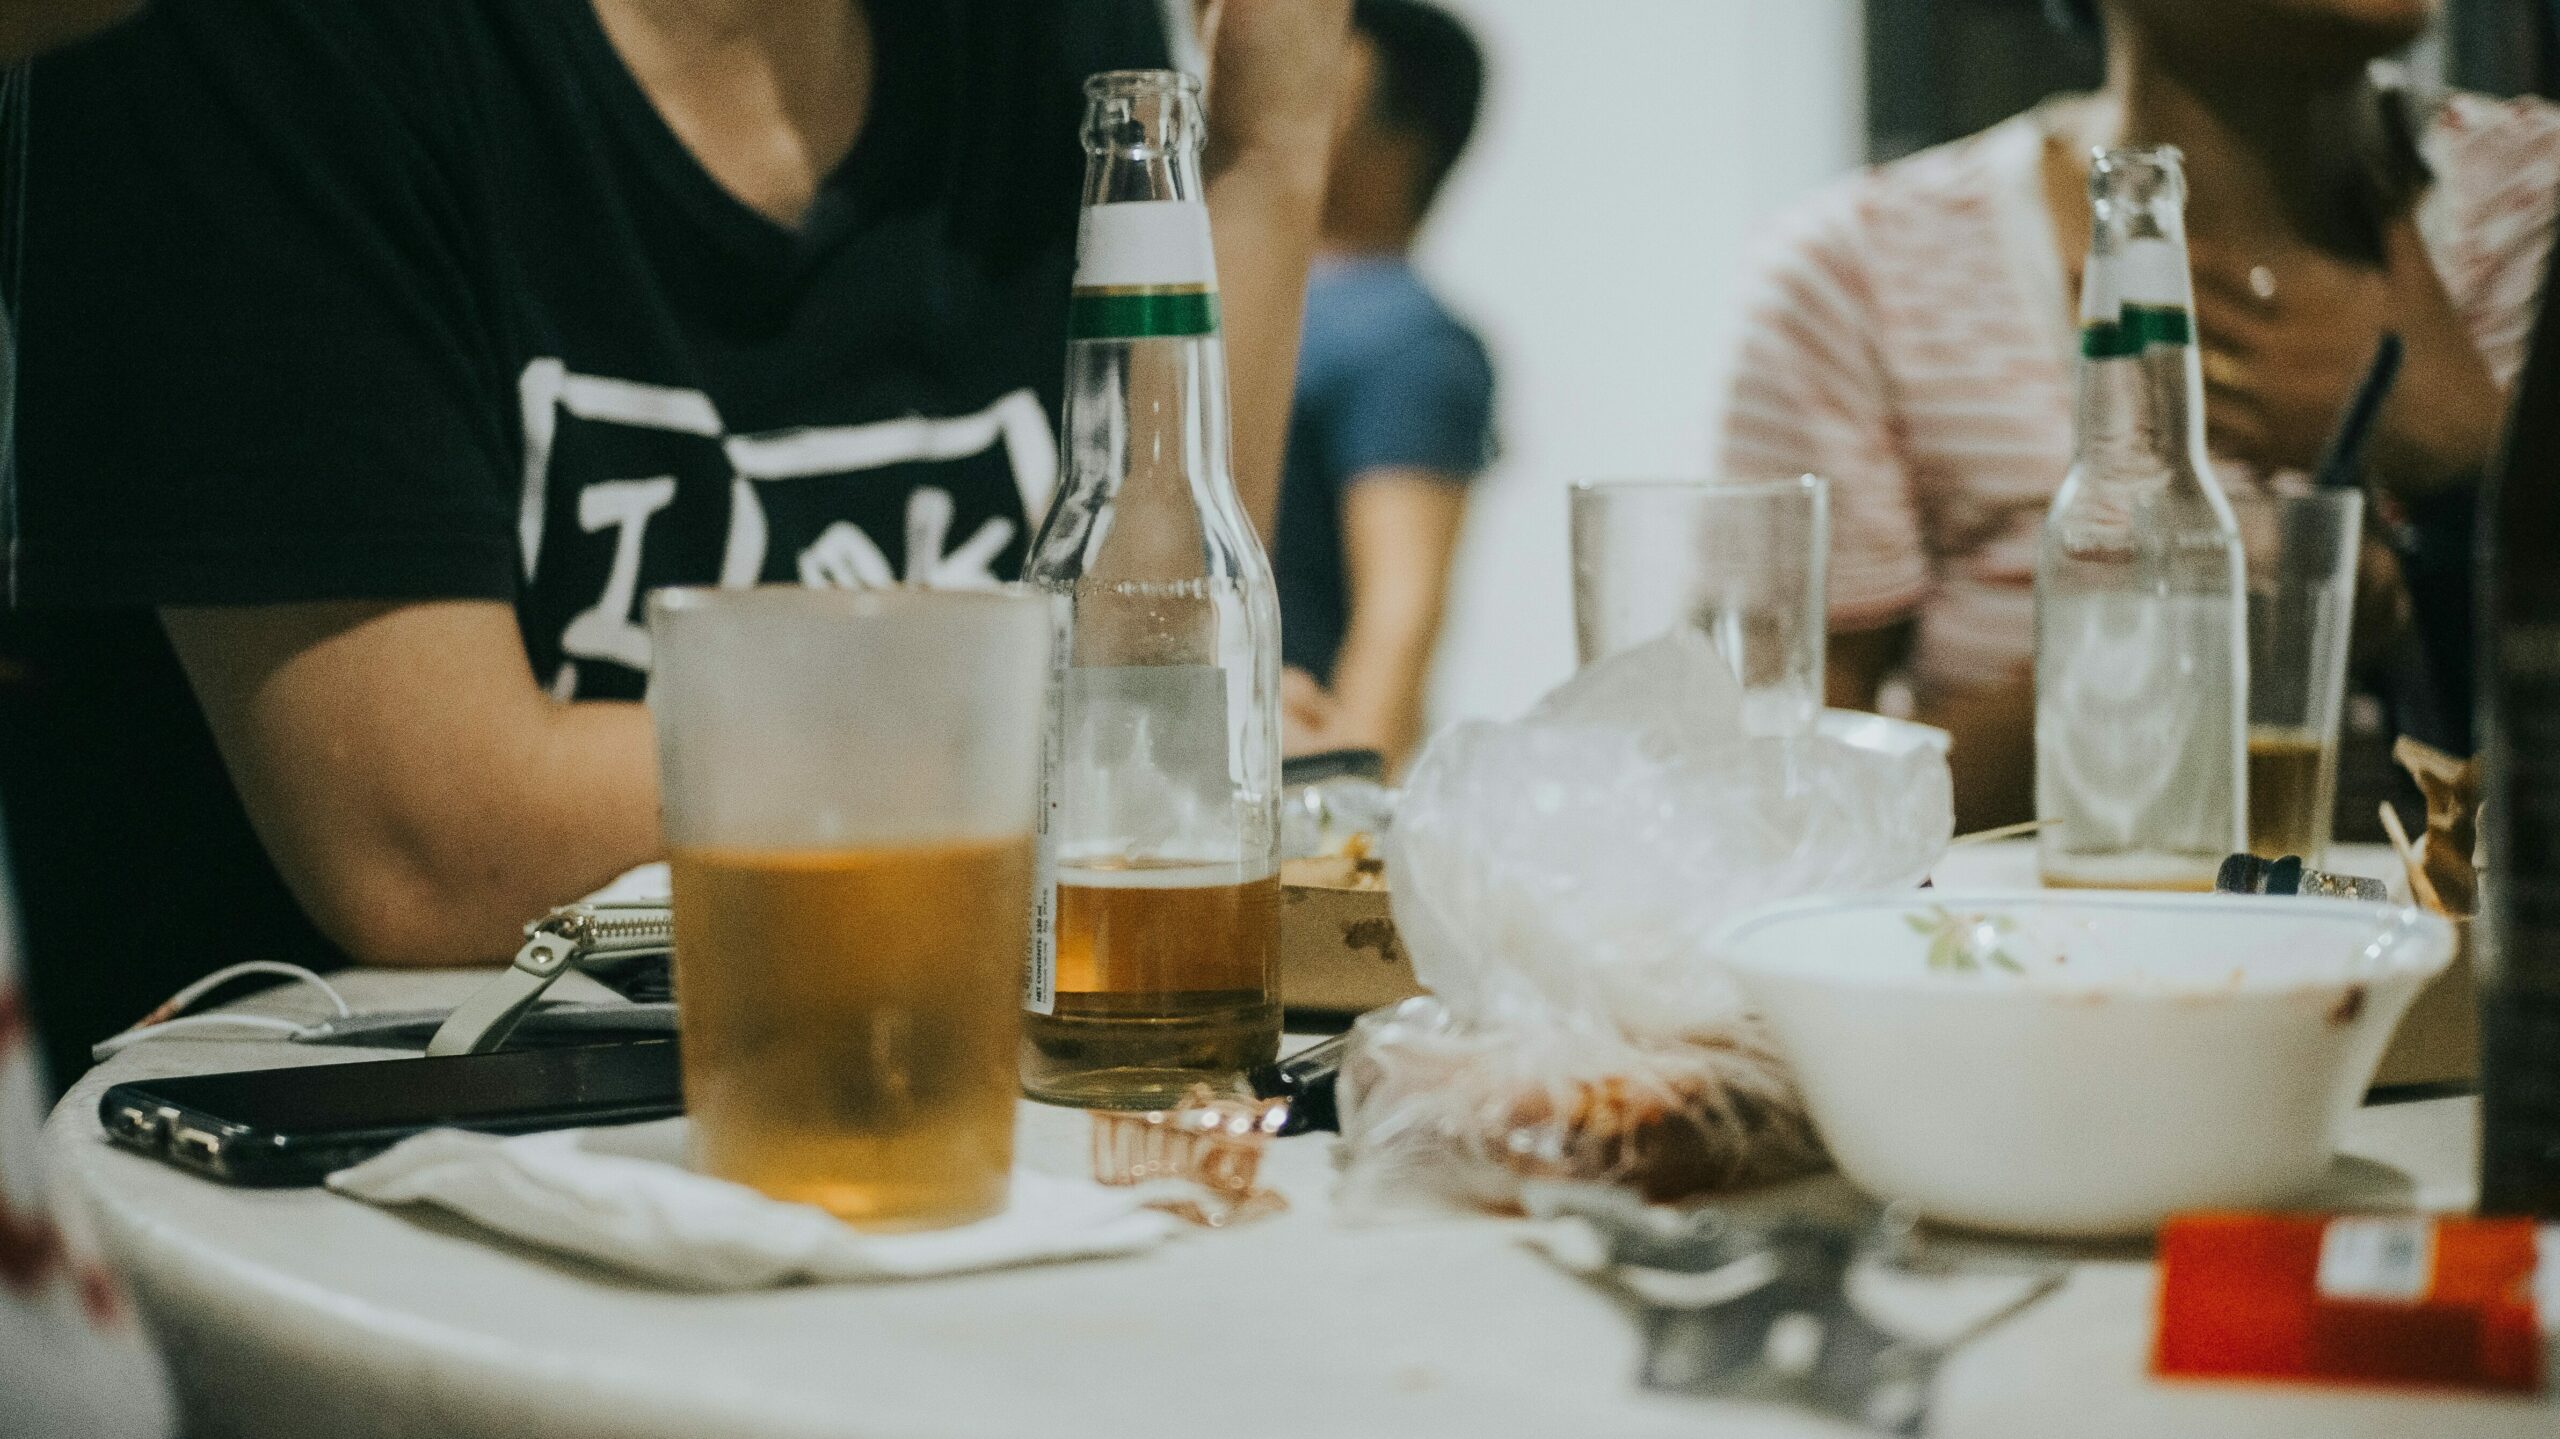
(1717, 1114)
(1354, 868)
(1435, 1106)
(2452, 790)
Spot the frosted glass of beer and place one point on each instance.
(849, 781)
(2301, 552)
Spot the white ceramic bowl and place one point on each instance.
(2148, 1053)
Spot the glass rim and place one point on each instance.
(2324, 497)
(1107, 84)
(1739, 489)
(869, 602)
(2131, 157)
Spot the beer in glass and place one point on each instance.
(2301, 553)
(849, 781)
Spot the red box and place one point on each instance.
(2414, 1300)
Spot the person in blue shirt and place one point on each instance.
(1394, 401)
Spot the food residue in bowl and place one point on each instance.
(1968, 943)
(1989, 945)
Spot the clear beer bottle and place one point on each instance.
(1152, 965)
(2141, 641)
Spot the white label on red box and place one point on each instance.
(2386, 1260)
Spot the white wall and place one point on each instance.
(1630, 151)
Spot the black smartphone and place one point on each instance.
(295, 1126)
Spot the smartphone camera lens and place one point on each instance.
(137, 1125)
(196, 1147)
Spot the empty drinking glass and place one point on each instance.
(1742, 561)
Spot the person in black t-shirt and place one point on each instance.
(379, 355)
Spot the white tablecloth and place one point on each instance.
(291, 1313)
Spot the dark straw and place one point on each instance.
(2342, 465)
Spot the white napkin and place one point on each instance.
(648, 884)
(623, 1198)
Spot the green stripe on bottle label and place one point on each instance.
(1142, 314)
(2140, 327)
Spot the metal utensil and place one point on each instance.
(1850, 1320)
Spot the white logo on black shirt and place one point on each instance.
(841, 553)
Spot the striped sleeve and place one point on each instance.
(2516, 164)
(1809, 396)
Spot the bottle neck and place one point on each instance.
(1145, 268)
(2141, 402)
(1144, 271)
(1148, 492)
(1142, 147)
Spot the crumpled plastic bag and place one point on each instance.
(1557, 881)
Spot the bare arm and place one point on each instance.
(420, 794)
(1273, 68)
(1399, 530)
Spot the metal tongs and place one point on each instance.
(591, 937)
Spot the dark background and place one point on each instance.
(1937, 69)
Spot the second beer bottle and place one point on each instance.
(2142, 658)
(1152, 963)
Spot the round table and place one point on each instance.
(297, 1312)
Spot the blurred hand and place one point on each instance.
(2279, 367)
(1310, 717)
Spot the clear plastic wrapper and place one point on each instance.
(1558, 880)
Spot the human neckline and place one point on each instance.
(729, 218)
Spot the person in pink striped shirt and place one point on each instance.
(1910, 334)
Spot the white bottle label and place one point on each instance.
(1040, 971)
(2152, 272)
(1144, 270)
(1145, 243)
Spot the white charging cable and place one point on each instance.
(171, 1016)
